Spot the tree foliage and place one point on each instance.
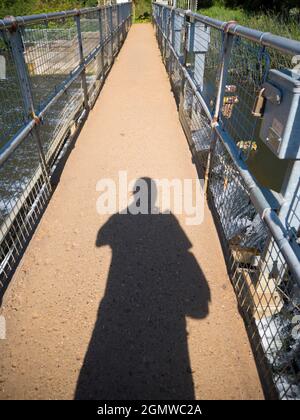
(28, 7)
(276, 6)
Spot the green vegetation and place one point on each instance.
(284, 21)
(277, 6)
(281, 17)
(142, 10)
(29, 7)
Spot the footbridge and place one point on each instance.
(130, 303)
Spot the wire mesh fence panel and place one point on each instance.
(178, 25)
(209, 42)
(196, 126)
(24, 191)
(186, 4)
(12, 115)
(43, 101)
(204, 68)
(114, 28)
(280, 60)
(104, 23)
(167, 57)
(115, 16)
(90, 32)
(277, 320)
(59, 122)
(94, 72)
(176, 77)
(267, 294)
(167, 24)
(242, 226)
(293, 216)
(201, 134)
(51, 53)
(248, 68)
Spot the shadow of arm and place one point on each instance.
(198, 292)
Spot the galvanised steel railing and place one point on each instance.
(52, 69)
(217, 71)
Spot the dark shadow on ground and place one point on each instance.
(138, 349)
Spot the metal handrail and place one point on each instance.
(267, 39)
(16, 140)
(259, 241)
(12, 21)
(281, 235)
(45, 123)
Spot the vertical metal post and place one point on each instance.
(111, 32)
(173, 14)
(185, 29)
(226, 54)
(194, 5)
(177, 31)
(183, 63)
(200, 55)
(270, 263)
(17, 49)
(123, 19)
(101, 40)
(121, 29)
(164, 41)
(81, 58)
(118, 24)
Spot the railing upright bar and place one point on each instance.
(220, 93)
(173, 13)
(118, 24)
(100, 18)
(81, 58)
(16, 44)
(222, 78)
(17, 48)
(111, 31)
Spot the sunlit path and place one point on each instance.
(118, 307)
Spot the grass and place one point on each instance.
(142, 12)
(266, 22)
(29, 7)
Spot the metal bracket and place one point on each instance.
(14, 23)
(272, 93)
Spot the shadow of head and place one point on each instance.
(144, 194)
(139, 347)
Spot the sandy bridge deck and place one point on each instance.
(125, 307)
